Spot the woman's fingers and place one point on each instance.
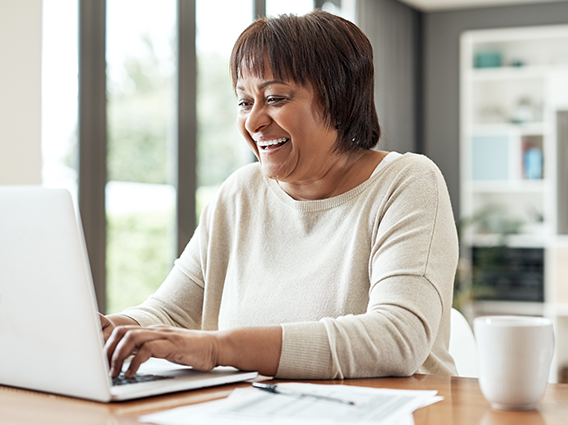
(192, 348)
(111, 343)
(143, 354)
(124, 341)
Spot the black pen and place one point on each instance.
(278, 390)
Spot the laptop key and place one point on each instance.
(137, 378)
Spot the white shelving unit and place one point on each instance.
(514, 82)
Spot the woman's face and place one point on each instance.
(283, 124)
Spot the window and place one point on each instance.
(140, 193)
(140, 179)
(220, 148)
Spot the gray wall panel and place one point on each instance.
(393, 29)
(562, 167)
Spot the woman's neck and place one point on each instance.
(344, 174)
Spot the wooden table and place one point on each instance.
(463, 404)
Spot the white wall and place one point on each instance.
(20, 91)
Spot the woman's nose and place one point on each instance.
(257, 119)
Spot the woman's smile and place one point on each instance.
(272, 145)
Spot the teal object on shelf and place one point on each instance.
(490, 157)
(488, 59)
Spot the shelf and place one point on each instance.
(510, 186)
(547, 309)
(507, 101)
(508, 73)
(524, 129)
(482, 308)
(556, 309)
(513, 241)
(526, 72)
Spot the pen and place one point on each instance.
(277, 390)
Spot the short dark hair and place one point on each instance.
(325, 51)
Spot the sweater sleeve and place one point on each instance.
(411, 269)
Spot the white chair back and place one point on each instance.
(462, 346)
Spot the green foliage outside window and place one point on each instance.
(220, 149)
(138, 257)
(140, 113)
(140, 245)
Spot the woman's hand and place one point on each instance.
(245, 348)
(198, 349)
(108, 323)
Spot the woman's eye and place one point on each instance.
(244, 104)
(274, 99)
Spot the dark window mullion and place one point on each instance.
(186, 123)
(259, 9)
(93, 138)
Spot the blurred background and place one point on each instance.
(129, 105)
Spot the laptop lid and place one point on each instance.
(50, 335)
(47, 309)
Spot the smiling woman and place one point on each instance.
(290, 96)
(327, 258)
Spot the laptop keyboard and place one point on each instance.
(137, 378)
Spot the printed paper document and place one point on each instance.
(249, 405)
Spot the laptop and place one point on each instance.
(50, 333)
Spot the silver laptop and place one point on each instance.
(50, 336)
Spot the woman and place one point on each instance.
(326, 259)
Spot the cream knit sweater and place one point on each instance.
(361, 283)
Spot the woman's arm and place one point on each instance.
(252, 348)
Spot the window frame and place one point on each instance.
(93, 137)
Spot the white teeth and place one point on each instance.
(272, 142)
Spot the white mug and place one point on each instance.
(514, 357)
